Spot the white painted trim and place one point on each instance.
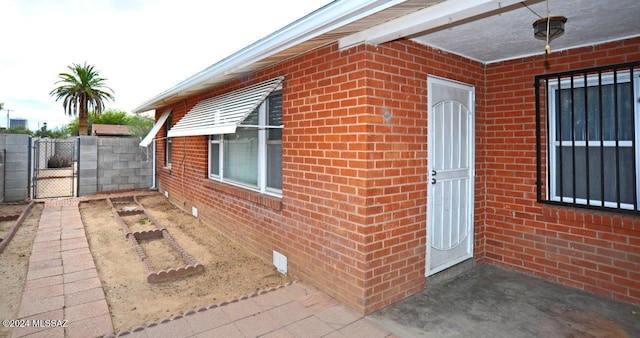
(156, 127)
(261, 182)
(433, 17)
(636, 85)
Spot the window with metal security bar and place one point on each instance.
(252, 156)
(588, 124)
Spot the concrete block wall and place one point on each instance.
(111, 164)
(122, 165)
(88, 166)
(16, 167)
(2, 160)
(106, 164)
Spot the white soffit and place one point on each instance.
(433, 17)
(146, 141)
(222, 114)
(509, 35)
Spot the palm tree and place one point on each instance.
(81, 89)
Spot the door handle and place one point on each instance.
(433, 180)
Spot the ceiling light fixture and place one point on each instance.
(554, 28)
(551, 27)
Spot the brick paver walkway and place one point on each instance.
(63, 284)
(295, 310)
(62, 281)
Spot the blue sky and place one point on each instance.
(142, 47)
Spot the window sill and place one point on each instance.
(255, 197)
(581, 215)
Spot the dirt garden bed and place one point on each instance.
(14, 261)
(229, 270)
(9, 213)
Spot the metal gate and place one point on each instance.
(55, 165)
(450, 193)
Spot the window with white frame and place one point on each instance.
(593, 158)
(252, 156)
(167, 149)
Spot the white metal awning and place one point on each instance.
(222, 114)
(146, 141)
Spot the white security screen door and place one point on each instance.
(451, 170)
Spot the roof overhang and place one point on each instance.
(483, 30)
(324, 20)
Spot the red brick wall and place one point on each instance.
(352, 217)
(594, 251)
(398, 176)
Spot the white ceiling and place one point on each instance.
(509, 34)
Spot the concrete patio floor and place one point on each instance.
(489, 301)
